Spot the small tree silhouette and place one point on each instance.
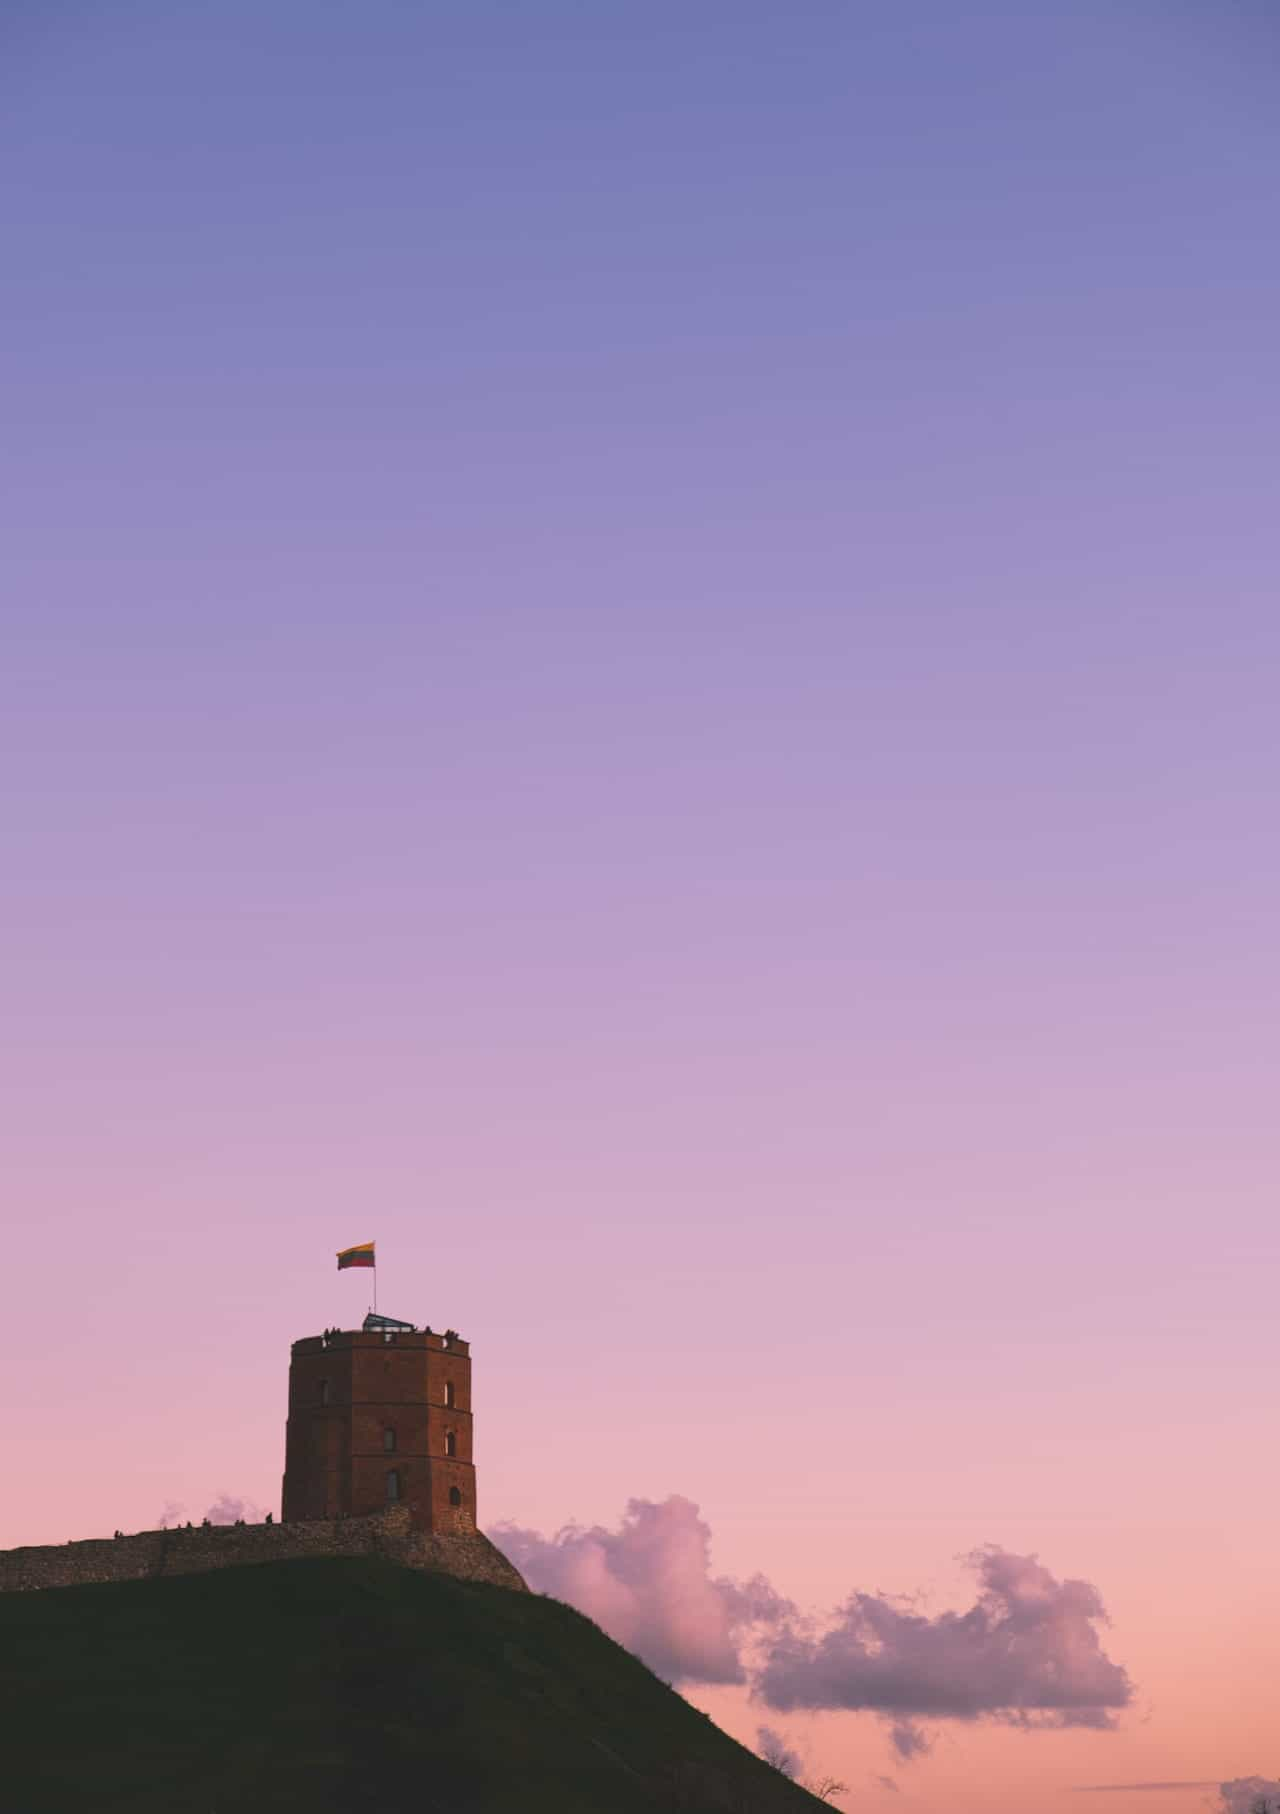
(774, 1751)
(779, 1756)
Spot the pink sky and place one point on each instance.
(638, 659)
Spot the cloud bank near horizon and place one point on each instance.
(649, 1585)
(1244, 1793)
(1027, 1652)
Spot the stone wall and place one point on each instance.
(466, 1554)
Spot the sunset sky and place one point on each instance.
(639, 657)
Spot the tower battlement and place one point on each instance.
(382, 1338)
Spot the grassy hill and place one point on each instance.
(344, 1685)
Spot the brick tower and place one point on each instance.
(381, 1416)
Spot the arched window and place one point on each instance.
(324, 1391)
(389, 1440)
(393, 1484)
(450, 1443)
(448, 1393)
(455, 1497)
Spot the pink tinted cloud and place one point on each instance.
(649, 1585)
(1027, 1652)
(227, 1509)
(909, 1740)
(1245, 1794)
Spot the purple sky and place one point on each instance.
(638, 656)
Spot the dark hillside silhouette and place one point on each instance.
(334, 1686)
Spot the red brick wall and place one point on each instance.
(336, 1458)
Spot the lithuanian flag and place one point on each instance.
(357, 1256)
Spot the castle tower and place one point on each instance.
(381, 1416)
